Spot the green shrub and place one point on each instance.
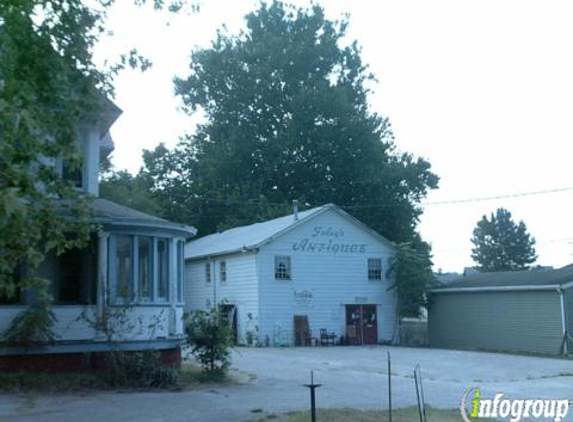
(210, 336)
(141, 370)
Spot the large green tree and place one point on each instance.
(500, 244)
(287, 117)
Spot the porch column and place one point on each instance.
(173, 270)
(102, 257)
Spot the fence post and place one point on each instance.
(389, 388)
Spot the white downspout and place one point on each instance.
(563, 320)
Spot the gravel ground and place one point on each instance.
(351, 377)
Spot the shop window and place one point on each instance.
(374, 269)
(223, 271)
(282, 268)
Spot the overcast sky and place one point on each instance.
(483, 90)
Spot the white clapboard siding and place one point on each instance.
(240, 289)
(76, 323)
(333, 280)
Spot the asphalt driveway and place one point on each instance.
(351, 377)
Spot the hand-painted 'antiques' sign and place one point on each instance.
(328, 240)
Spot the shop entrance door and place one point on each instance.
(361, 324)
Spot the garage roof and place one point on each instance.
(512, 280)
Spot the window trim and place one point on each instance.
(223, 272)
(208, 273)
(180, 271)
(372, 272)
(172, 272)
(287, 270)
(167, 297)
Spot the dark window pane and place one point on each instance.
(71, 277)
(163, 269)
(145, 268)
(124, 268)
(72, 173)
(181, 270)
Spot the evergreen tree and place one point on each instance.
(502, 245)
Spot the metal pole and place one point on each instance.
(312, 386)
(389, 388)
(418, 394)
(422, 394)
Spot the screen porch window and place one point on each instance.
(223, 271)
(124, 268)
(163, 269)
(141, 269)
(282, 268)
(180, 269)
(374, 269)
(145, 268)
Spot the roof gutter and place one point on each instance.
(243, 249)
(497, 289)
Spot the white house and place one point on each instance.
(284, 280)
(124, 290)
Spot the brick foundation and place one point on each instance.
(72, 362)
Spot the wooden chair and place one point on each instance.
(327, 338)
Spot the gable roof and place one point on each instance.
(245, 238)
(535, 279)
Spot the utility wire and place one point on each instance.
(378, 205)
(471, 200)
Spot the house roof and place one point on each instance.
(511, 280)
(250, 237)
(107, 212)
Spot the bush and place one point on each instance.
(141, 370)
(210, 336)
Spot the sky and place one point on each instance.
(483, 90)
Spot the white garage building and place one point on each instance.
(284, 280)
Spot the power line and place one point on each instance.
(471, 200)
(378, 205)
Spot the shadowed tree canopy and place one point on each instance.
(500, 244)
(287, 117)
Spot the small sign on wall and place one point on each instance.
(303, 298)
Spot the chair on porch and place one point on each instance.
(327, 338)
